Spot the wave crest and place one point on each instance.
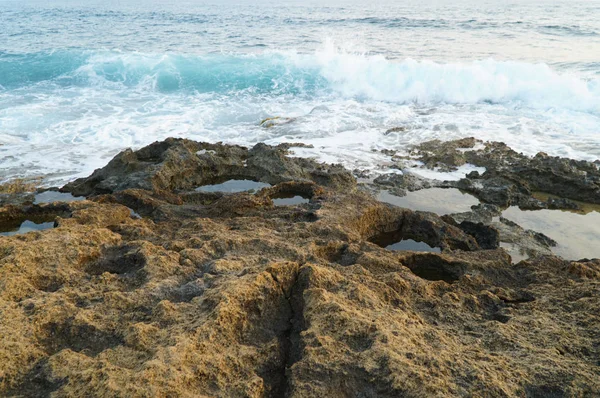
(328, 71)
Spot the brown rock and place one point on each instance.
(228, 295)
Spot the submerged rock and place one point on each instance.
(275, 121)
(216, 294)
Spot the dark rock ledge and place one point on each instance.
(510, 179)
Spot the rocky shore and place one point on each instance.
(152, 287)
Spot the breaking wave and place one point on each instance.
(355, 76)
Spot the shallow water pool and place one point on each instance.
(441, 201)
(28, 226)
(577, 235)
(234, 186)
(55, 196)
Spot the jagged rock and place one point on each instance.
(444, 155)
(512, 178)
(496, 190)
(180, 164)
(215, 294)
(405, 181)
(562, 203)
(486, 236)
(481, 213)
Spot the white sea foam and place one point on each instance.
(437, 174)
(342, 103)
(424, 82)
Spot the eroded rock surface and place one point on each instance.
(213, 294)
(511, 178)
(180, 164)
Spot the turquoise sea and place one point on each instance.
(81, 80)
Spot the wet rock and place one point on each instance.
(16, 199)
(357, 173)
(473, 175)
(481, 213)
(486, 236)
(270, 164)
(289, 145)
(562, 203)
(399, 129)
(445, 156)
(388, 152)
(276, 121)
(405, 181)
(486, 224)
(167, 165)
(496, 190)
(531, 243)
(511, 177)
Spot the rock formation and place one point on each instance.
(228, 295)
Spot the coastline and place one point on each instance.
(150, 286)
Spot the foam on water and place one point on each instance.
(82, 80)
(349, 75)
(65, 112)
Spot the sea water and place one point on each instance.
(81, 80)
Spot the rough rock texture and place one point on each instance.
(512, 178)
(180, 164)
(18, 191)
(229, 295)
(398, 184)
